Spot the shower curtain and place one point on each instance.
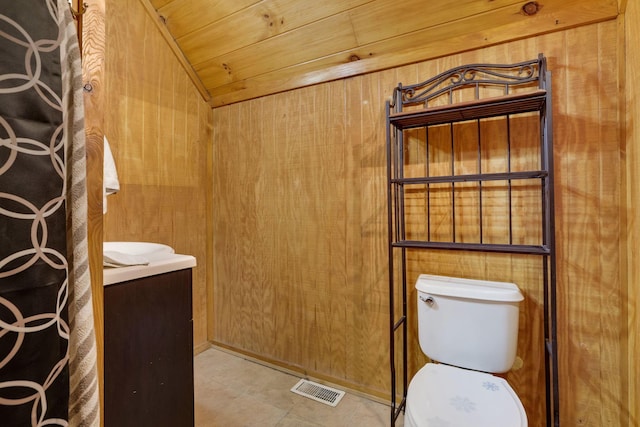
(48, 372)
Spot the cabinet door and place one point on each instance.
(149, 352)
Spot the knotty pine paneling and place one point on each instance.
(159, 129)
(245, 49)
(214, 32)
(300, 256)
(183, 17)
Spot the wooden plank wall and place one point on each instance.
(299, 211)
(159, 130)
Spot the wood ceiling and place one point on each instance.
(236, 50)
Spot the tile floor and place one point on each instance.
(234, 392)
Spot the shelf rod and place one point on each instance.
(488, 247)
(399, 323)
(504, 176)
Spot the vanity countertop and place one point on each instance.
(159, 263)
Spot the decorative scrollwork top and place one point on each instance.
(476, 76)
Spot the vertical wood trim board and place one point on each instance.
(299, 229)
(93, 55)
(631, 89)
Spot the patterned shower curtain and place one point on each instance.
(47, 345)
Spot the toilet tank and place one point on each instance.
(468, 323)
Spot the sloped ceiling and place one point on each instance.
(236, 50)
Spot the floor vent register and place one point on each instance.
(318, 392)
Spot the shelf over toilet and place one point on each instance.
(433, 201)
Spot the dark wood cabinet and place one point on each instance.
(148, 353)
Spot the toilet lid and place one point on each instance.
(445, 396)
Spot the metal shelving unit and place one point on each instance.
(524, 88)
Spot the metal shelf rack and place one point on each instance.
(522, 88)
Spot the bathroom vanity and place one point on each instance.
(148, 354)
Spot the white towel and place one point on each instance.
(120, 259)
(110, 181)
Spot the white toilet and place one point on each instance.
(471, 328)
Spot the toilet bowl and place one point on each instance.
(445, 396)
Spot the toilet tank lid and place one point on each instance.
(468, 288)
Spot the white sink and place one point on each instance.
(149, 251)
(126, 261)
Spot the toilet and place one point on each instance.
(470, 328)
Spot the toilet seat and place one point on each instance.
(445, 396)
